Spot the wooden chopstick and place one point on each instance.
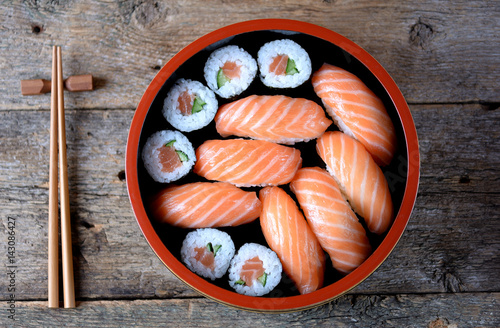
(53, 246)
(58, 136)
(66, 245)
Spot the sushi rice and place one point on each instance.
(295, 52)
(217, 59)
(197, 120)
(216, 242)
(270, 262)
(150, 155)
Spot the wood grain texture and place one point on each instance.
(443, 311)
(430, 48)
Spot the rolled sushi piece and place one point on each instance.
(189, 105)
(255, 270)
(168, 156)
(283, 64)
(208, 252)
(229, 71)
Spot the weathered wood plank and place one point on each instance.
(432, 310)
(451, 243)
(430, 48)
(460, 148)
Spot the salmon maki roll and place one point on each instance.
(288, 234)
(229, 71)
(189, 105)
(205, 205)
(277, 119)
(208, 252)
(359, 177)
(255, 270)
(247, 163)
(331, 218)
(283, 64)
(357, 111)
(168, 156)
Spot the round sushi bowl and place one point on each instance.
(322, 45)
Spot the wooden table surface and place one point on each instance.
(444, 56)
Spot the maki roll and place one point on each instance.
(189, 105)
(229, 71)
(168, 156)
(255, 270)
(283, 64)
(207, 252)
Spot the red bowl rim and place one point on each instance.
(325, 294)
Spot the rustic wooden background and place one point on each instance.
(444, 56)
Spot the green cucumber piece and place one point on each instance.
(210, 247)
(221, 79)
(213, 249)
(182, 156)
(239, 282)
(290, 67)
(216, 249)
(263, 279)
(170, 143)
(197, 105)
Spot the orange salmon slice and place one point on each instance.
(205, 257)
(290, 237)
(205, 205)
(186, 100)
(247, 163)
(278, 65)
(168, 159)
(231, 70)
(277, 119)
(251, 270)
(331, 218)
(357, 111)
(359, 177)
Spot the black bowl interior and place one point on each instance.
(320, 51)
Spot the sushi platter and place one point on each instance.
(226, 141)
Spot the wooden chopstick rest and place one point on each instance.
(73, 83)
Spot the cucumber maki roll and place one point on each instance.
(283, 64)
(168, 156)
(255, 270)
(189, 105)
(229, 71)
(207, 252)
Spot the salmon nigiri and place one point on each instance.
(357, 111)
(246, 163)
(278, 119)
(360, 178)
(331, 218)
(204, 205)
(288, 234)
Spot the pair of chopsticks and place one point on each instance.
(58, 136)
